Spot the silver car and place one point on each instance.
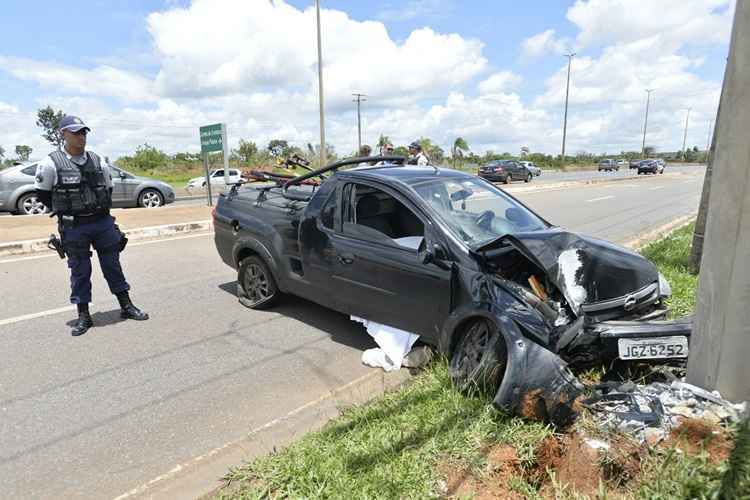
(17, 194)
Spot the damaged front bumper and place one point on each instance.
(538, 384)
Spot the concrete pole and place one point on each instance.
(320, 90)
(359, 98)
(684, 137)
(645, 122)
(565, 119)
(720, 346)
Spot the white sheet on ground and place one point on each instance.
(393, 343)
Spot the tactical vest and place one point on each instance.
(79, 190)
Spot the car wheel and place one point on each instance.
(29, 204)
(150, 198)
(528, 178)
(479, 359)
(257, 287)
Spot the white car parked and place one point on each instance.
(531, 167)
(217, 179)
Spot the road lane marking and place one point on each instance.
(41, 314)
(150, 242)
(600, 198)
(655, 188)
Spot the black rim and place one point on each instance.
(473, 347)
(256, 284)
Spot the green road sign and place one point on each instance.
(211, 138)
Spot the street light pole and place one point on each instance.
(684, 137)
(565, 119)
(359, 98)
(320, 90)
(645, 122)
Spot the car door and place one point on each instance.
(381, 277)
(119, 188)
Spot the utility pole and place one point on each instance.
(565, 119)
(719, 347)
(645, 122)
(708, 138)
(359, 98)
(684, 137)
(320, 91)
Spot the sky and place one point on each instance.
(494, 73)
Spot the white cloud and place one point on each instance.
(263, 46)
(102, 80)
(500, 82)
(697, 22)
(542, 43)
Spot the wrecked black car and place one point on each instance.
(509, 298)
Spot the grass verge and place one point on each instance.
(427, 440)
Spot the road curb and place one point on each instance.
(137, 234)
(644, 239)
(200, 477)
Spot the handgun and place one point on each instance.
(55, 244)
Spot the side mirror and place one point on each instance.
(433, 253)
(122, 175)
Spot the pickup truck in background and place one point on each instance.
(509, 298)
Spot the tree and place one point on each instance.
(247, 150)
(146, 157)
(382, 141)
(278, 147)
(23, 152)
(49, 120)
(459, 147)
(2, 153)
(434, 152)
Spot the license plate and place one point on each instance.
(653, 348)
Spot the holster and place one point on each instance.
(55, 244)
(123, 238)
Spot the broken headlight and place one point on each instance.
(664, 289)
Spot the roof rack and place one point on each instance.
(394, 160)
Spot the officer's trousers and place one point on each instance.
(100, 233)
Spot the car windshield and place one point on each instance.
(475, 210)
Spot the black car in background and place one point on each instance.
(505, 171)
(651, 167)
(634, 163)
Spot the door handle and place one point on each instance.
(346, 258)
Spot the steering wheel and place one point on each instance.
(484, 219)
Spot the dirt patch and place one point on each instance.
(572, 462)
(493, 483)
(532, 406)
(694, 436)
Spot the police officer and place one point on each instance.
(77, 187)
(416, 155)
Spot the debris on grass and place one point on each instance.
(650, 411)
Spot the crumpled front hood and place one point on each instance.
(584, 269)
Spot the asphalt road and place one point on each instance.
(93, 417)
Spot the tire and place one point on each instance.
(150, 198)
(28, 204)
(478, 362)
(256, 284)
(528, 178)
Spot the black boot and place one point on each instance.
(84, 321)
(128, 310)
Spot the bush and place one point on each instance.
(146, 158)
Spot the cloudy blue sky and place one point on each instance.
(491, 72)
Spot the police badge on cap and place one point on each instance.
(73, 124)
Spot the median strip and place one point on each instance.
(136, 234)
